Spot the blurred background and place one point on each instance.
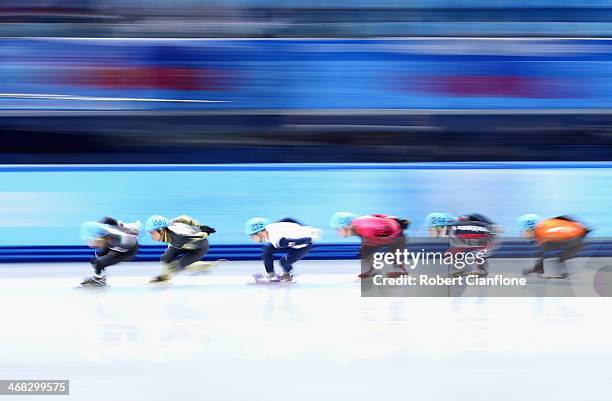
(306, 18)
(211, 81)
(229, 109)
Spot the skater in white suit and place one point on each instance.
(288, 236)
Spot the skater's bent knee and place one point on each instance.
(165, 258)
(267, 249)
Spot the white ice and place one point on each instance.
(214, 337)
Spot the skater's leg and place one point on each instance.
(567, 249)
(192, 256)
(476, 268)
(552, 252)
(399, 244)
(570, 249)
(102, 252)
(168, 261)
(111, 258)
(538, 268)
(483, 268)
(458, 267)
(367, 260)
(105, 259)
(573, 247)
(170, 255)
(293, 256)
(193, 261)
(267, 255)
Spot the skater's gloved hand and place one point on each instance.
(207, 230)
(288, 242)
(404, 223)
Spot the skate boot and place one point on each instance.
(478, 273)
(401, 271)
(555, 269)
(266, 277)
(161, 279)
(168, 269)
(538, 272)
(367, 274)
(272, 277)
(94, 282)
(458, 273)
(483, 273)
(200, 267)
(561, 275)
(287, 276)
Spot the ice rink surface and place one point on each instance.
(213, 337)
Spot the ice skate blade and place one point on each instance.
(259, 280)
(159, 283)
(92, 288)
(552, 277)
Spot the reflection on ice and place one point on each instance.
(218, 329)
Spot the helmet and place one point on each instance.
(255, 225)
(341, 219)
(449, 218)
(437, 219)
(156, 222)
(528, 221)
(91, 230)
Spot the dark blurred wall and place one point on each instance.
(305, 18)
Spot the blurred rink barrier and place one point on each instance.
(42, 206)
(294, 100)
(320, 76)
(305, 18)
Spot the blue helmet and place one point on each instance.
(255, 225)
(156, 222)
(92, 230)
(341, 219)
(449, 218)
(528, 221)
(436, 219)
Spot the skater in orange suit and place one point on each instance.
(562, 236)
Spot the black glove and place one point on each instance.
(207, 230)
(404, 223)
(287, 242)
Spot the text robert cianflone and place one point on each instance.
(412, 259)
(425, 280)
